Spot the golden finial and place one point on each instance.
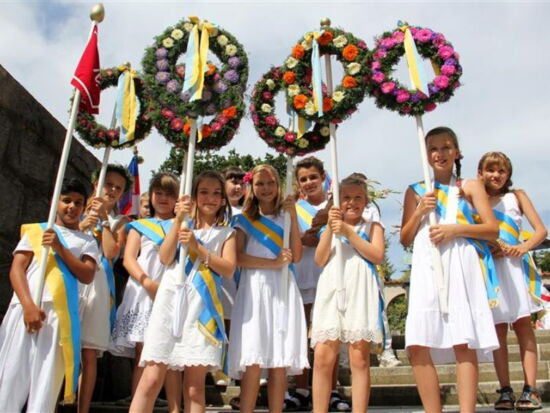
(98, 13)
(325, 22)
(128, 65)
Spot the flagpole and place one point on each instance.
(97, 15)
(105, 162)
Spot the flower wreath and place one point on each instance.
(268, 126)
(347, 95)
(391, 94)
(223, 88)
(100, 136)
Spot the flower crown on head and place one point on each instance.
(247, 177)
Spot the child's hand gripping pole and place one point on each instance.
(286, 243)
(186, 182)
(441, 278)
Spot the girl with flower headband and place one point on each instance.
(267, 331)
(466, 331)
(519, 279)
(186, 331)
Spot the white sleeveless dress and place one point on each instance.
(515, 302)
(470, 319)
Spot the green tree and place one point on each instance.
(397, 314)
(543, 260)
(386, 269)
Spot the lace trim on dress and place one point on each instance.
(131, 323)
(346, 336)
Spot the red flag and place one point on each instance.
(86, 76)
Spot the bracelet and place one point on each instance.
(207, 258)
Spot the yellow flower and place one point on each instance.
(305, 45)
(310, 108)
(291, 62)
(114, 143)
(353, 68)
(338, 96)
(270, 84)
(222, 40)
(213, 32)
(293, 90)
(230, 50)
(168, 42)
(340, 41)
(188, 26)
(325, 131)
(176, 34)
(266, 108)
(302, 143)
(280, 131)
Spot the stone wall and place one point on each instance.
(31, 140)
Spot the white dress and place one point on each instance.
(362, 318)
(470, 319)
(263, 332)
(95, 304)
(307, 272)
(515, 302)
(132, 316)
(193, 348)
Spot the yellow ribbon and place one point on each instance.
(201, 52)
(416, 71)
(316, 82)
(129, 102)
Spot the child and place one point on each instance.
(266, 332)
(361, 322)
(516, 273)
(141, 259)
(235, 188)
(144, 208)
(41, 343)
(97, 299)
(468, 326)
(186, 331)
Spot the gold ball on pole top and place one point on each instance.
(325, 22)
(128, 65)
(97, 13)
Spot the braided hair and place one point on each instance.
(446, 130)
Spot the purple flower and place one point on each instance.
(450, 62)
(162, 77)
(220, 87)
(185, 96)
(423, 35)
(161, 53)
(433, 89)
(415, 98)
(163, 65)
(211, 109)
(448, 70)
(206, 95)
(231, 76)
(234, 62)
(172, 86)
(441, 81)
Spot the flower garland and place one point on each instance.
(223, 88)
(270, 130)
(348, 93)
(391, 94)
(100, 136)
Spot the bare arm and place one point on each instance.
(113, 240)
(372, 250)
(414, 209)
(322, 252)
(167, 252)
(245, 260)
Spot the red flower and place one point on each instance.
(230, 112)
(206, 131)
(327, 104)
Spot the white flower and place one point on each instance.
(310, 108)
(291, 62)
(354, 68)
(302, 143)
(168, 42)
(305, 45)
(293, 90)
(280, 131)
(338, 96)
(266, 108)
(270, 84)
(188, 26)
(222, 40)
(340, 41)
(325, 131)
(230, 50)
(176, 34)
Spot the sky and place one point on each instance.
(503, 104)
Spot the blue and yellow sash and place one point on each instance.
(109, 274)
(306, 212)
(152, 228)
(266, 232)
(63, 287)
(466, 216)
(510, 233)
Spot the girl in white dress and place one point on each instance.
(266, 332)
(514, 265)
(430, 334)
(186, 330)
(361, 323)
(97, 299)
(141, 260)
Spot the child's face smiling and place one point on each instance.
(311, 183)
(69, 209)
(442, 153)
(353, 202)
(265, 187)
(234, 187)
(113, 188)
(494, 177)
(209, 197)
(163, 203)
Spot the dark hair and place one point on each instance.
(117, 169)
(233, 172)
(224, 213)
(74, 185)
(440, 130)
(499, 159)
(166, 182)
(310, 162)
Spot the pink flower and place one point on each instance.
(280, 148)
(380, 54)
(271, 121)
(111, 134)
(247, 178)
(441, 81)
(167, 113)
(445, 52)
(101, 134)
(176, 124)
(378, 77)
(267, 95)
(414, 30)
(448, 70)
(223, 119)
(429, 107)
(405, 110)
(315, 138)
(423, 35)
(255, 119)
(362, 45)
(336, 121)
(387, 87)
(402, 96)
(456, 84)
(439, 40)
(216, 126)
(399, 36)
(376, 65)
(263, 134)
(290, 137)
(387, 42)
(270, 140)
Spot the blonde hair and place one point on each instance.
(499, 159)
(251, 205)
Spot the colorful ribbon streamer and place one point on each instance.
(417, 73)
(126, 104)
(316, 76)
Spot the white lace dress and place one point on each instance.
(361, 319)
